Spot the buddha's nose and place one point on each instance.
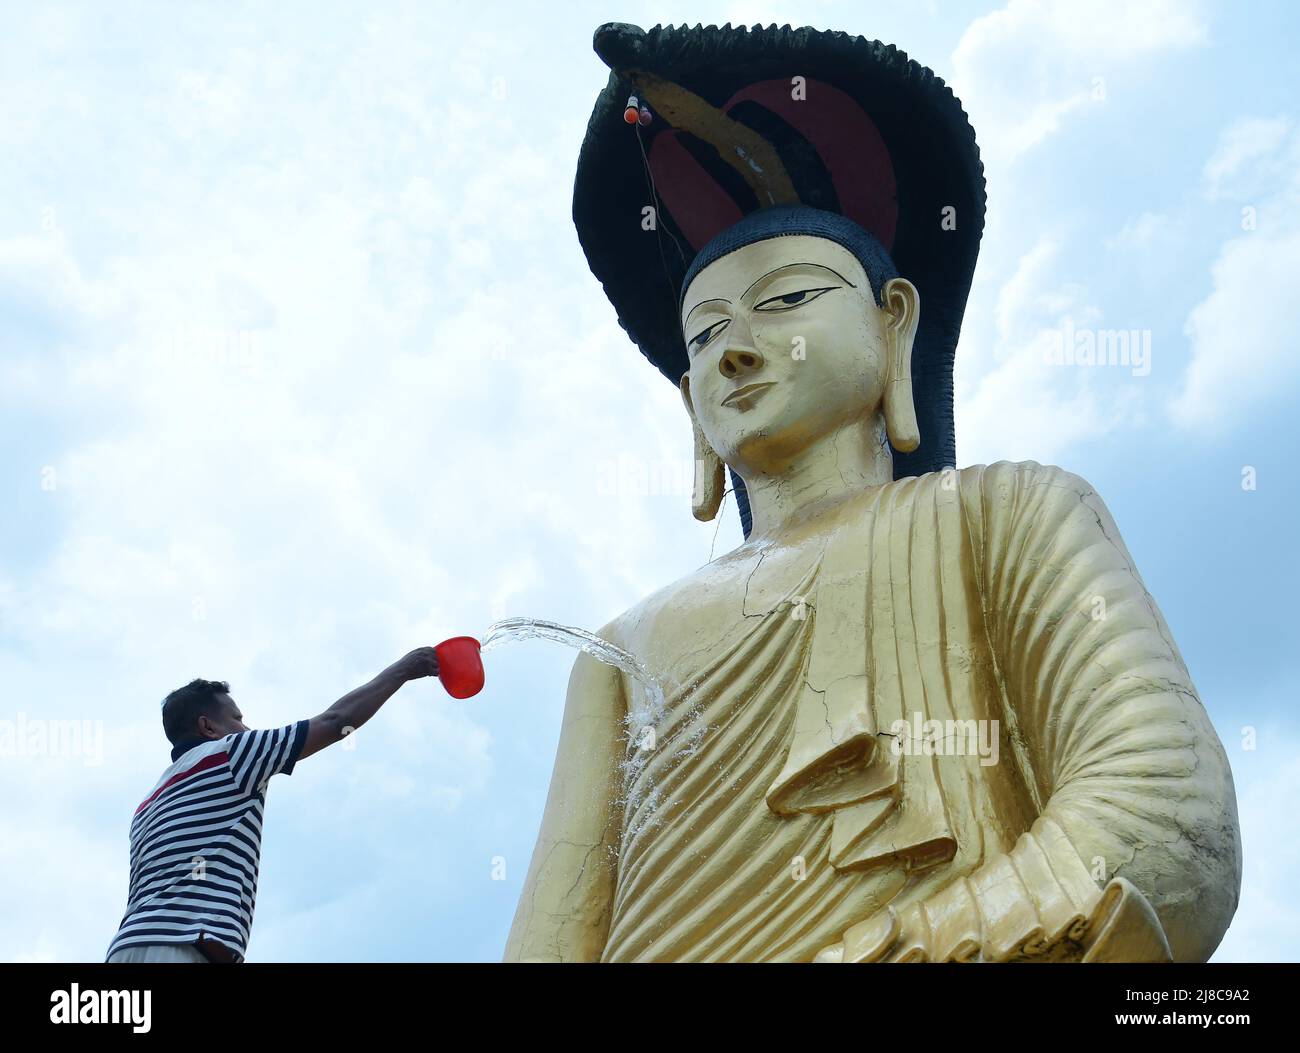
(739, 358)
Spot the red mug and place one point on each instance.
(459, 666)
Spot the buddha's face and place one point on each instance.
(786, 345)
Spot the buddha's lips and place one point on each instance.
(749, 391)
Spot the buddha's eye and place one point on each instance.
(701, 338)
(791, 300)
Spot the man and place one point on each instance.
(197, 838)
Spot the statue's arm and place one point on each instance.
(1134, 853)
(1134, 789)
(564, 908)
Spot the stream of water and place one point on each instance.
(640, 800)
(590, 643)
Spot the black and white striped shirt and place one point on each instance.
(196, 841)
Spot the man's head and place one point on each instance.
(796, 324)
(202, 709)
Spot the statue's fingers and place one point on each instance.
(915, 937)
(910, 955)
(1058, 915)
(830, 955)
(954, 923)
(869, 940)
(1009, 922)
(1037, 944)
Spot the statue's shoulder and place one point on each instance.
(622, 630)
(1023, 475)
(628, 629)
(998, 490)
(1022, 507)
(692, 595)
(1019, 485)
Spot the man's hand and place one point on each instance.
(419, 663)
(359, 705)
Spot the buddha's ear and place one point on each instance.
(901, 305)
(710, 481)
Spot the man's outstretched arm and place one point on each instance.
(362, 703)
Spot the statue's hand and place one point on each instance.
(889, 936)
(1122, 927)
(944, 928)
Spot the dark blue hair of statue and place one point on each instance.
(789, 220)
(786, 221)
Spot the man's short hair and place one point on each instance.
(183, 707)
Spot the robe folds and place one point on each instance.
(788, 806)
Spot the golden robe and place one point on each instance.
(774, 816)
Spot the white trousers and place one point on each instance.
(158, 952)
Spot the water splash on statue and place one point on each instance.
(590, 643)
(646, 708)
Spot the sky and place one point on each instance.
(301, 367)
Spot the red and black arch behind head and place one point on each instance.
(831, 152)
(743, 119)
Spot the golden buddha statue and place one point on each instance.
(920, 715)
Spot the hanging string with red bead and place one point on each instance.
(636, 112)
(638, 115)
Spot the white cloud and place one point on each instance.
(1022, 70)
(1242, 333)
(1023, 405)
(323, 376)
(1139, 232)
(1250, 153)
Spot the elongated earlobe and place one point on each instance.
(710, 480)
(902, 307)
